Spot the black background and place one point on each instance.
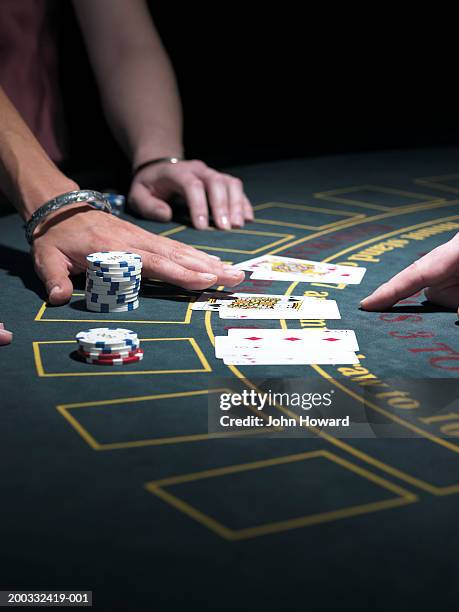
(262, 82)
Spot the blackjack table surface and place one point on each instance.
(111, 481)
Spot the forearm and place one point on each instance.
(27, 176)
(135, 77)
(143, 108)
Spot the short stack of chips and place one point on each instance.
(113, 281)
(109, 346)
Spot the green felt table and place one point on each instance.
(111, 481)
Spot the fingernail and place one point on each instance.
(234, 272)
(5, 336)
(2, 326)
(225, 221)
(56, 289)
(201, 222)
(238, 221)
(214, 257)
(362, 302)
(208, 277)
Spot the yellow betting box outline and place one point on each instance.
(439, 182)
(338, 195)
(65, 411)
(186, 320)
(158, 488)
(305, 207)
(119, 371)
(281, 238)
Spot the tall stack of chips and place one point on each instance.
(113, 281)
(108, 346)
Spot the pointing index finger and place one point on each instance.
(431, 269)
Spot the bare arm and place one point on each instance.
(27, 176)
(135, 77)
(142, 104)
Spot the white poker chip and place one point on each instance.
(107, 350)
(113, 257)
(92, 269)
(106, 335)
(106, 307)
(122, 298)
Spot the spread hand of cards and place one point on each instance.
(277, 346)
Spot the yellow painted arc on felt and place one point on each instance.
(389, 235)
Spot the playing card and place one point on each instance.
(279, 340)
(310, 308)
(273, 267)
(264, 357)
(214, 300)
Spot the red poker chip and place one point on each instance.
(109, 356)
(111, 362)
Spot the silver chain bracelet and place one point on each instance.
(88, 196)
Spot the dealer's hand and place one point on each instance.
(437, 273)
(5, 336)
(202, 188)
(64, 239)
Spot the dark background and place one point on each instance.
(261, 83)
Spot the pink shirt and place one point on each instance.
(28, 70)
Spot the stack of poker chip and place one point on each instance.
(113, 281)
(108, 346)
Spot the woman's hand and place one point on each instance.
(437, 273)
(201, 187)
(64, 239)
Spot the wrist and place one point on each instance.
(36, 196)
(146, 153)
(41, 219)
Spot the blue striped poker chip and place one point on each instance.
(111, 294)
(111, 286)
(112, 307)
(117, 277)
(104, 350)
(97, 298)
(102, 282)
